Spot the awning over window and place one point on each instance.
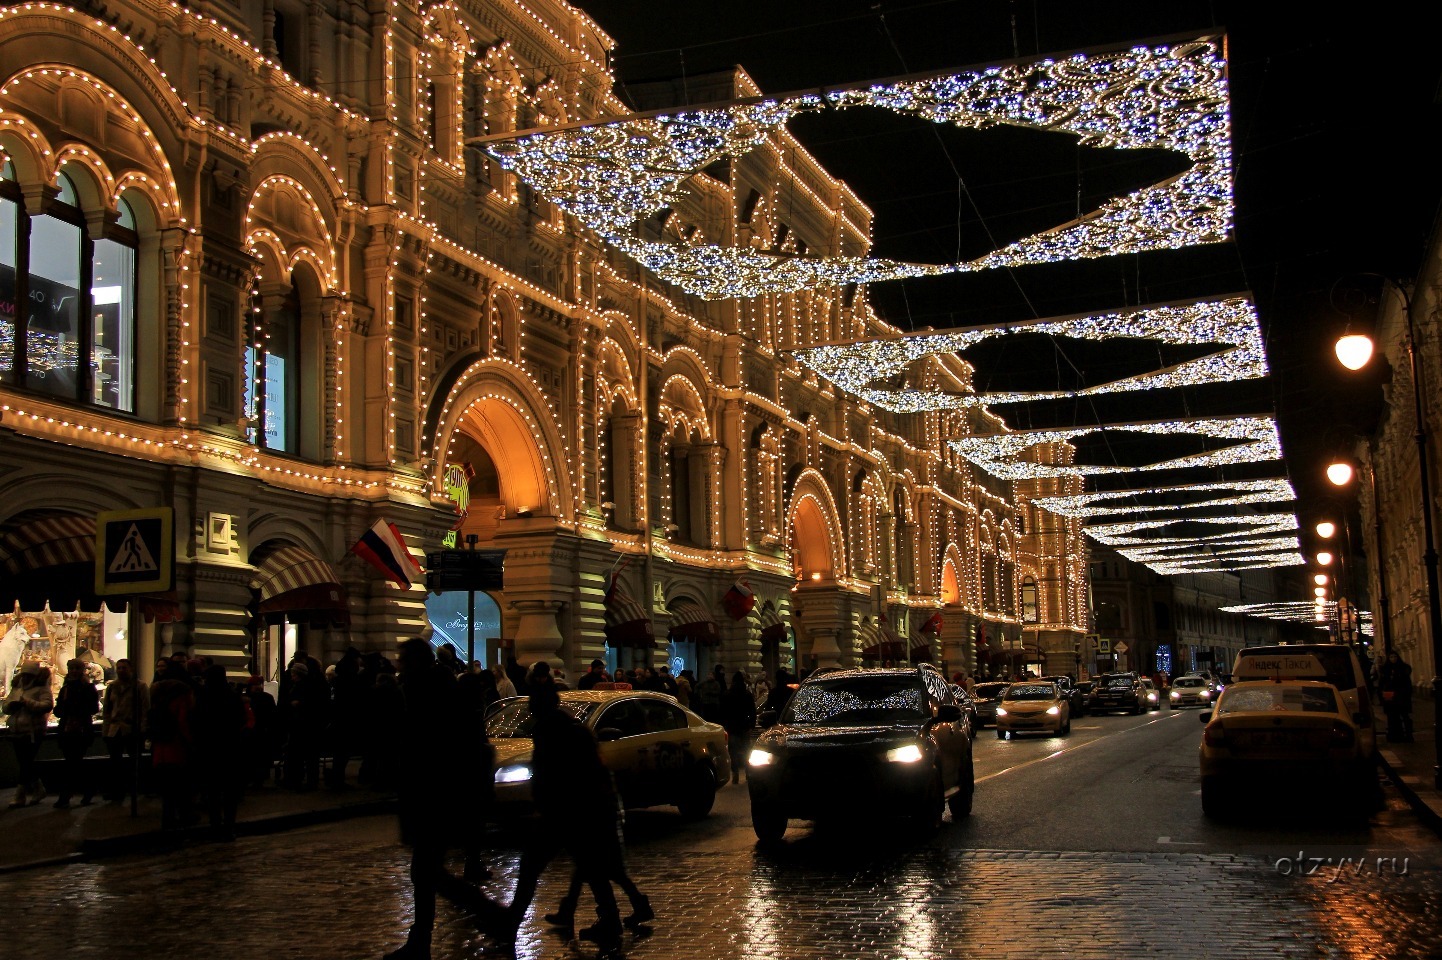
(920, 648)
(773, 628)
(296, 585)
(47, 541)
(626, 622)
(690, 622)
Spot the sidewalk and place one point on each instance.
(40, 835)
(1410, 765)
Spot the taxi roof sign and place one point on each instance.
(1274, 666)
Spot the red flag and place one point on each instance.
(934, 624)
(739, 600)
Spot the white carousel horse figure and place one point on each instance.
(12, 648)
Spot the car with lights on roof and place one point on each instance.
(659, 752)
(1286, 735)
(863, 744)
(1335, 663)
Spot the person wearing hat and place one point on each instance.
(27, 708)
(303, 702)
(261, 730)
(595, 675)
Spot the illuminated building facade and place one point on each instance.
(251, 268)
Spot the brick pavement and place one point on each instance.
(339, 891)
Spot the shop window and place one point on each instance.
(72, 320)
(1028, 601)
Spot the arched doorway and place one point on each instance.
(450, 617)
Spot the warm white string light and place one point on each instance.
(1243, 492)
(1322, 613)
(1194, 550)
(857, 366)
(1170, 97)
(999, 454)
(1129, 534)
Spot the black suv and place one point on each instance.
(1119, 691)
(1073, 696)
(863, 741)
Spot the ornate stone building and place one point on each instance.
(251, 269)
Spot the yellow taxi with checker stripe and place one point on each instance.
(659, 752)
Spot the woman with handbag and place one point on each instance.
(27, 709)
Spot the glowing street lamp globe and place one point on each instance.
(1339, 473)
(1320, 591)
(1324, 558)
(1326, 529)
(1354, 350)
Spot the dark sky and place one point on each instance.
(1334, 126)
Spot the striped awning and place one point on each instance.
(920, 648)
(296, 585)
(880, 642)
(689, 621)
(627, 624)
(47, 541)
(773, 628)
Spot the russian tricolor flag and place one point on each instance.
(383, 548)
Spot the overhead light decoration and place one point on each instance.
(1194, 550)
(999, 454)
(1244, 492)
(1260, 562)
(858, 366)
(1322, 612)
(1130, 534)
(611, 176)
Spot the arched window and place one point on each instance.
(1029, 612)
(67, 298)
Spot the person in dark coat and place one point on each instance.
(578, 805)
(75, 708)
(476, 689)
(738, 716)
(1394, 680)
(218, 726)
(590, 678)
(706, 699)
(304, 702)
(433, 768)
(262, 731)
(172, 702)
(780, 693)
(347, 712)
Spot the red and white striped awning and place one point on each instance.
(773, 628)
(297, 584)
(690, 621)
(627, 624)
(47, 541)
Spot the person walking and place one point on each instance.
(505, 686)
(708, 693)
(75, 709)
(1394, 680)
(304, 702)
(123, 709)
(577, 802)
(171, 704)
(346, 716)
(738, 716)
(27, 710)
(219, 724)
(429, 771)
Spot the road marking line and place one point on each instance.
(1181, 843)
(1053, 756)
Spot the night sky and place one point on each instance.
(1334, 123)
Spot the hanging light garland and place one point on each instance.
(999, 454)
(1322, 613)
(856, 366)
(1243, 493)
(1193, 550)
(1173, 97)
(1127, 534)
(1259, 562)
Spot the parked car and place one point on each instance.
(968, 707)
(987, 696)
(1337, 664)
(1074, 696)
(1119, 691)
(659, 752)
(1088, 691)
(1283, 735)
(1190, 691)
(1033, 706)
(855, 743)
(1150, 693)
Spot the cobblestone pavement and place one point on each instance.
(339, 891)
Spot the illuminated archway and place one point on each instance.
(814, 530)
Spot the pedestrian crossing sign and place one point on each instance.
(135, 551)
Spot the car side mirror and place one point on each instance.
(766, 718)
(607, 734)
(948, 713)
(1205, 716)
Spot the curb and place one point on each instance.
(154, 840)
(1403, 781)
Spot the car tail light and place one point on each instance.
(1214, 735)
(1342, 737)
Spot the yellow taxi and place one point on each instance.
(1286, 733)
(659, 752)
(1033, 706)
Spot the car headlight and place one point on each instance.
(760, 758)
(1053, 711)
(910, 753)
(1205, 694)
(515, 773)
(1176, 695)
(1000, 712)
(1151, 696)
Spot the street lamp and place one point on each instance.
(1354, 350)
(1429, 550)
(1326, 529)
(1324, 558)
(1340, 473)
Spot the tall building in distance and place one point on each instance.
(251, 269)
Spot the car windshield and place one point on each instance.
(1277, 697)
(1031, 691)
(857, 701)
(1189, 682)
(1119, 681)
(988, 691)
(513, 718)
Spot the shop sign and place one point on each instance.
(135, 551)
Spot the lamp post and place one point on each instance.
(1429, 550)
